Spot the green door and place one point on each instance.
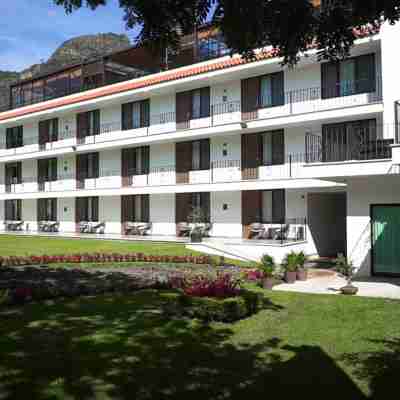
(385, 239)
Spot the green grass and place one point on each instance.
(34, 245)
(122, 347)
(31, 245)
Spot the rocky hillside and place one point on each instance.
(70, 52)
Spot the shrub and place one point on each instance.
(99, 258)
(213, 309)
(220, 285)
(253, 275)
(290, 262)
(267, 265)
(345, 267)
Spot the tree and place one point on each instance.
(291, 26)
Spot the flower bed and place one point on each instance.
(100, 258)
(208, 309)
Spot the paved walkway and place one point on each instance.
(331, 283)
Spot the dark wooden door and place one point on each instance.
(251, 210)
(183, 155)
(250, 98)
(251, 155)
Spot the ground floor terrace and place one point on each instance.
(360, 219)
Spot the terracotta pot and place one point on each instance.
(349, 289)
(301, 274)
(268, 283)
(290, 276)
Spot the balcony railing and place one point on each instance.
(293, 102)
(340, 148)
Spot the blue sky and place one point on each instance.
(30, 33)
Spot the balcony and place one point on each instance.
(294, 102)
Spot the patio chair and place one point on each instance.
(257, 230)
(98, 228)
(18, 225)
(53, 226)
(183, 229)
(84, 227)
(130, 228)
(205, 229)
(143, 227)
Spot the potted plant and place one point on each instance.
(196, 218)
(267, 267)
(289, 265)
(301, 273)
(347, 269)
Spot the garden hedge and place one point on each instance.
(213, 309)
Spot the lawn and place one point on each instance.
(122, 347)
(31, 245)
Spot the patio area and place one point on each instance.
(329, 282)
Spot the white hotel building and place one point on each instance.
(278, 159)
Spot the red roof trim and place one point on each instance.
(149, 81)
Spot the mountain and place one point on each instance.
(70, 52)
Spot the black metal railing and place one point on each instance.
(346, 148)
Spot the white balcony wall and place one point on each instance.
(67, 133)
(110, 213)
(225, 154)
(29, 215)
(66, 214)
(226, 212)
(162, 164)
(225, 101)
(162, 214)
(162, 114)
(110, 169)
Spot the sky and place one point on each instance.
(30, 30)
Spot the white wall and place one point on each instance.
(390, 40)
(226, 223)
(66, 214)
(110, 213)
(162, 214)
(29, 214)
(361, 194)
(2, 215)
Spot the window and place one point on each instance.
(353, 76)
(201, 202)
(273, 206)
(273, 147)
(87, 209)
(47, 170)
(200, 154)
(13, 174)
(212, 47)
(351, 141)
(93, 165)
(47, 209)
(135, 208)
(48, 131)
(196, 104)
(13, 210)
(136, 115)
(272, 90)
(14, 137)
(88, 123)
(192, 104)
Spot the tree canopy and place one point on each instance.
(291, 26)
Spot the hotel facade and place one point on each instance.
(275, 158)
